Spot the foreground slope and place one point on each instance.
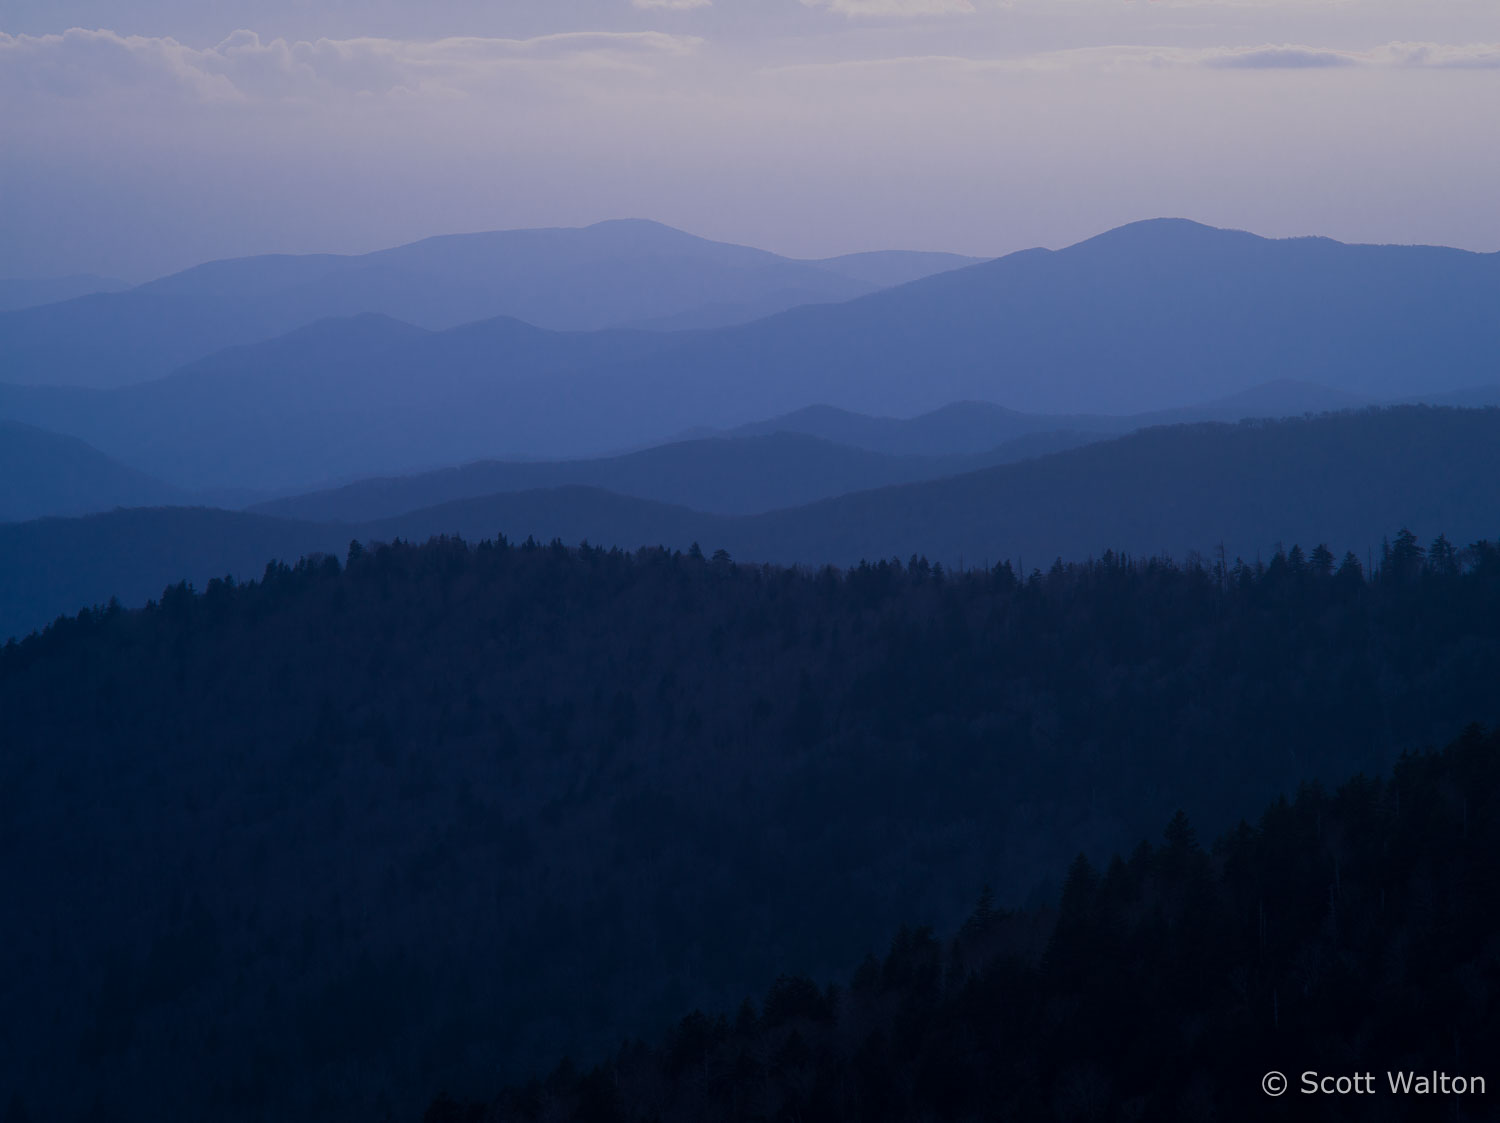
(600, 276)
(321, 846)
(1339, 930)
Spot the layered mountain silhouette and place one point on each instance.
(727, 476)
(976, 426)
(337, 400)
(43, 473)
(368, 396)
(1146, 317)
(1143, 319)
(1344, 479)
(600, 276)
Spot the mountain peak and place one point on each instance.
(1172, 232)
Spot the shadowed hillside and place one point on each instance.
(726, 476)
(1174, 490)
(44, 473)
(517, 802)
(1334, 931)
(977, 426)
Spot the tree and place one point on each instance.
(1442, 558)
(1402, 561)
(1322, 560)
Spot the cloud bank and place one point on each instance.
(1439, 56)
(245, 67)
(1286, 56)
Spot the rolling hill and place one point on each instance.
(972, 427)
(609, 274)
(1345, 479)
(332, 401)
(1348, 480)
(44, 473)
(724, 476)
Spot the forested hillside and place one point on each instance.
(1341, 933)
(441, 815)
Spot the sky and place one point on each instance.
(142, 136)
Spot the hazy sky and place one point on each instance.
(141, 136)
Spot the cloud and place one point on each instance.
(893, 7)
(671, 5)
(1279, 58)
(244, 67)
(1401, 55)
(1286, 56)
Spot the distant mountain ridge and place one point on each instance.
(371, 396)
(817, 453)
(1346, 479)
(969, 427)
(1136, 321)
(725, 476)
(335, 400)
(1139, 319)
(584, 279)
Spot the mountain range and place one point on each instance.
(1144, 319)
(607, 275)
(971, 427)
(1349, 480)
(723, 476)
(1150, 316)
(810, 454)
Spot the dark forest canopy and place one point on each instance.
(323, 843)
(1343, 933)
